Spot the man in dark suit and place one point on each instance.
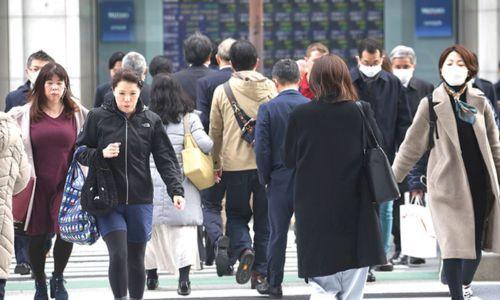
(270, 132)
(212, 197)
(207, 84)
(114, 64)
(136, 62)
(404, 61)
(35, 63)
(197, 50)
(387, 97)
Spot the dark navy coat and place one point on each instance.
(272, 121)
(17, 97)
(188, 79)
(100, 92)
(205, 92)
(388, 100)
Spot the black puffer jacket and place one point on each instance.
(140, 136)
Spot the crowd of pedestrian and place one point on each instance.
(291, 145)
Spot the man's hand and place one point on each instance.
(218, 175)
(417, 193)
(179, 202)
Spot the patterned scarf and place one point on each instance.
(465, 111)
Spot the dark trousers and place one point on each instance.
(280, 208)
(212, 206)
(2, 288)
(240, 185)
(396, 226)
(21, 243)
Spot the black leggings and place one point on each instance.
(38, 254)
(460, 272)
(126, 265)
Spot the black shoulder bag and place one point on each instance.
(376, 166)
(432, 123)
(246, 123)
(99, 192)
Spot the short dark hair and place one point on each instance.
(468, 57)
(369, 45)
(197, 49)
(168, 100)
(160, 64)
(39, 55)
(114, 58)
(286, 71)
(243, 55)
(126, 75)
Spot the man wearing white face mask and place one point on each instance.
(404, 61)
(35, 63)
(387, 96)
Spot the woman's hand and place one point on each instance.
(111, 151)
(179, 202)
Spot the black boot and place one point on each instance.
(57, 289)
(184, 288)
(152, 279)
(41, 290)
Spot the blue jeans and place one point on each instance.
(240, 186)
(385, 215)
(135, 219)
(21, 243)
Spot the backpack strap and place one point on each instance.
(432, 123)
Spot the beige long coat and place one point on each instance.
(450, 197)
(14, 176)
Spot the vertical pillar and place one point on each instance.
(477, 23)
(50, 25)
(256, 28)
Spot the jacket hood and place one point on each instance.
(9, 132)
(252, 84)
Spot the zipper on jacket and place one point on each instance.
(126, 157)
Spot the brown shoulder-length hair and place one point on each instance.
(468, 57)
(38, 97)
(330, 80)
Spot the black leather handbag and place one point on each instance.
(99, 193)
(377, 168)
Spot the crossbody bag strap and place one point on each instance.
(367, 125)
(241, 117)
(187, 129)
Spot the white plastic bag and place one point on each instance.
(418, 238)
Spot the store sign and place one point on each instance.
(117, 21)
(434, 18)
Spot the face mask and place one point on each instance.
(32, 76)
(370, 71)
(404, 75)
(454, 75)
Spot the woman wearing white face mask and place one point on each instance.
(463, 168)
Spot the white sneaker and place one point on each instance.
(468, 292)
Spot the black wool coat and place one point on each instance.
(337, 225)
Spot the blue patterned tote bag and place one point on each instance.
(76, 225)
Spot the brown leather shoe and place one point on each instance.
(257, 279)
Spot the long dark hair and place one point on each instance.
(38, 98)
(168, 100)
(330, 79)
